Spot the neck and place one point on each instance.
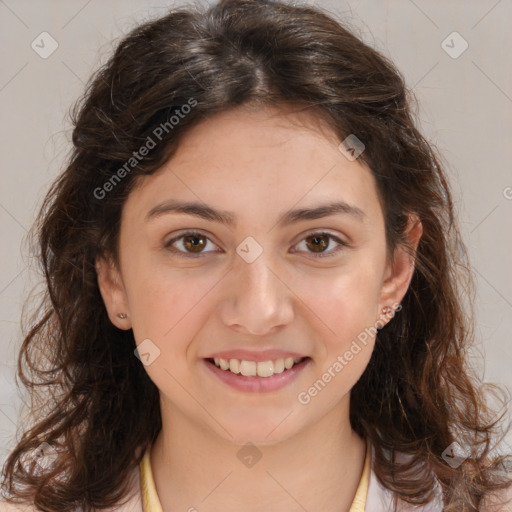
(316, 469)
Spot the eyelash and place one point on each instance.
(183, 254)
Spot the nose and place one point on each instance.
(257, 299)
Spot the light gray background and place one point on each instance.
(465, 108)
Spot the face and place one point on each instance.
(261, 280)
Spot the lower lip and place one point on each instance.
(258, 384)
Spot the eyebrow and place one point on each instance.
(229, 219)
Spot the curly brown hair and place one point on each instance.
(418, 393)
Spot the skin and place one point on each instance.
(257, 164)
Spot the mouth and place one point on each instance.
(263, 369)
(257, 377)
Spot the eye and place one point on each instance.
(319, 241)
(190, 244)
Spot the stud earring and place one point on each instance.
(386, 310)
(122, 315)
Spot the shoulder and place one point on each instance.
(16, 507)
(498, 502)
(132, 503)
(381, 499)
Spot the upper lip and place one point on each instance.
(250, 355)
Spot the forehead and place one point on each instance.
(255, 157)
(252, 127)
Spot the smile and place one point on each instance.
(253, 368)
(261, 376)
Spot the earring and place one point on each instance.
(386, 310)
(122, 315)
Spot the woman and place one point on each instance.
(254, 286)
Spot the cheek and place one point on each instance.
(167, 306)
(345, 337)
(345, 299)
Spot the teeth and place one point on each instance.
(248, 368)
(288, 362)
(279, 366)
(265, 369)
(234, 365)
(253, 368)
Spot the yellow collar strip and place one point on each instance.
(151, 503)
(359, 503)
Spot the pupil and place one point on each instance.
(194, 245)
(317, 244)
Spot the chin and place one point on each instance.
(258, 439)
(262, 433)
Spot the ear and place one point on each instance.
(113, 292)
(399, 272)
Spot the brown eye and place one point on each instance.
(194, 243)
(317, 243)
(189, 244)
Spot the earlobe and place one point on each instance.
(113, 293)
(399, 272)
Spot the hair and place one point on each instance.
(91, 399)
